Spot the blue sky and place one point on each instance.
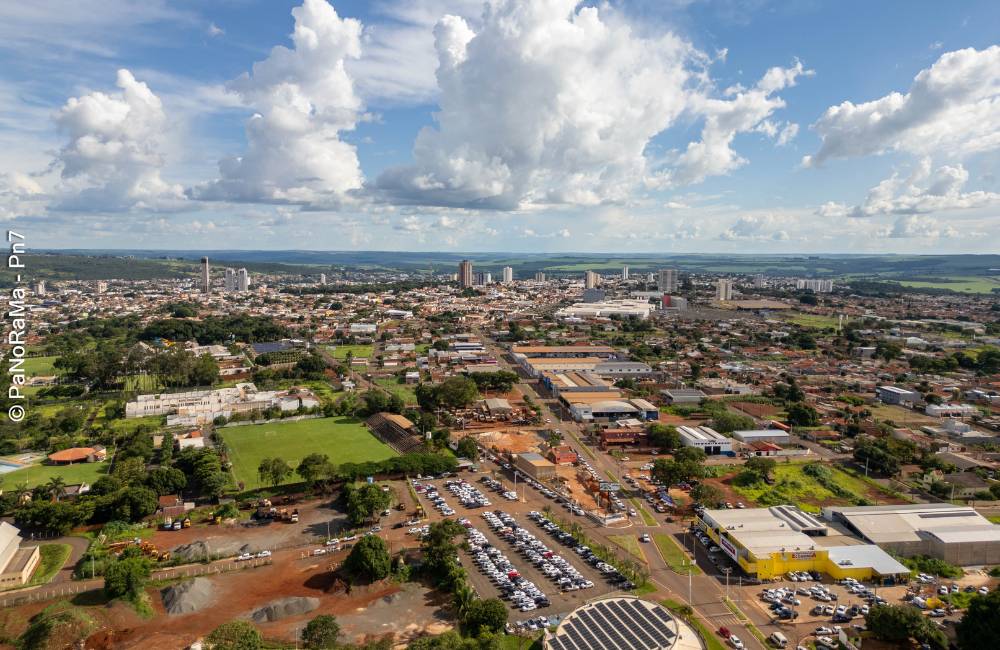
(509, 125)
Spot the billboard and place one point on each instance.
(727, 546)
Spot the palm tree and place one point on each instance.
(55, 487)
(463, 598)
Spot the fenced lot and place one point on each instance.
(343, 439)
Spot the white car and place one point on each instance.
(984, 590)
(243, 556)
(735, 642)
(264, 553)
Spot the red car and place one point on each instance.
(724, 632)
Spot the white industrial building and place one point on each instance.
(625, 308)
(195, 408)
(777, 436)
(707, 439)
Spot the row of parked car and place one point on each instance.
(497, 486)
(467, 494)
(435, 498)
(611, 574)
(523, 594)
(555, 567)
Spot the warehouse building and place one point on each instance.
(707, 439)
(770, 542)
(956, 534)
(777, 436)
(535, 466)
(682, 396)
(16, 562)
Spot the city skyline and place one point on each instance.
(756, 129)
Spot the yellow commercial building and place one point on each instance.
(768, 543)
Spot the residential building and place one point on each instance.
(539, 277)
(723, 290)
(242, 281)
(591, 280)
(817, 286)
(667, 281)
(38, 287)
(206, 277)
(322, 278)
(625, 273)
(758, 281)
(229, 283)
(465, 274)
(508, 275)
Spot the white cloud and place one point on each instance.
(755, 228)
(952, 107)
(215, 30)
(547, 103)
(787, 134)
(924, 191)
(918, 226)
(304, 99)
(113, 158)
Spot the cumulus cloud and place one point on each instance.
(952, 107)
(303, 100)
(924, 191)
(918, 226)
(113, 158)
(551, 103)
(755, 228)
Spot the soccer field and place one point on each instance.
(343, 439)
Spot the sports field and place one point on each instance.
(357, 351)
(40, 474)
(405, 391)
(40, 366)
(343, 439)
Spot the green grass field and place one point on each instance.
(963, 284)
(404, 391)
(672, 554)
(343, 439)
(340, 351)
(630, 543)
(793, 485)
(40, 366)
(53, 557)
(39, 474)
(816, 321)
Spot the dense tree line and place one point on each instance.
(216, 329)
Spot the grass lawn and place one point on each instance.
(340, 351)
(816, 321)
(673, 555)
(39, 474)
(53, 557)
(792, 485)
(405, 391)
(646, 517)
(964, 284)
(343, 439)
(515, 642)
(40, 366)
(630, 543)
(141, 384)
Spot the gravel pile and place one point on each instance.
(188, 597)
(199, 549)
(283, 608)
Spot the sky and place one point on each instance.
(507, 125)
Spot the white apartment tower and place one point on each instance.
(723, 290)
(591, 280)
(322, 278)
(242, 281)
(230, 282)
(625, 273)
(508, 275)
(539, 276)
(206, 277)
(667, 281)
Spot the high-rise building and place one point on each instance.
(667, 281)
(38, 288)
(102, 286)
(758, 280)
(465, 274)
(242, 281)
(723, 290)
(230, 281)
(625, 273)
(482, 278)
(539, 276)
(508, 275)
(591, 280)
(206, 276)
(818, 286)
(322, 278)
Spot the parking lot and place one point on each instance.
(512, 556)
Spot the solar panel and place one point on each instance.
(636, 626)
(623, 637)
(646, 619)
(598, 630)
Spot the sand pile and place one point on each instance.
(283, 608)
(187, 597)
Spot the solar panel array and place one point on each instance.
(616, 624)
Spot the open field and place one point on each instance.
(343, 439)
(404, 391)
(340, 351)
(52, 558)
(900, 415)
(672, 554)
(963, 284)
(793, 485)
(816, 321)
(40, 366)
(40, 474)
(630, 543)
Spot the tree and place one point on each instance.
(204, 371)
(166, 480)
(467, 448)
(457, 392)
(463, 597)
(314, 468)
(488, 615)
(364, 502)
(727, 422)
(802, 415)
(369, 559)
(236, 635)
(321, 633)
(126, 577)
(900, 623)
(54, 488)
(980, 627)
(706, 494)
(273, 471)
(664, 437)
(888, 351)
(760, 466)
